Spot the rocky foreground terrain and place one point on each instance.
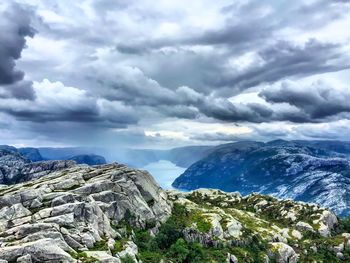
(112, 213)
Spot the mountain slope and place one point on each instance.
(111, 213)
(285, 170)
(15, 168)
(30, 153)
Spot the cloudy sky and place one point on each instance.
(170, 73)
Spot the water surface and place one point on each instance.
(164, 172)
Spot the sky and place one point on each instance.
(161, 74)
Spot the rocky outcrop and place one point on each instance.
(52, 218)
(282, 253)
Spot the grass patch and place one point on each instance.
(100, 245)
(83, 257)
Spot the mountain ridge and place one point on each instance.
(285, 169)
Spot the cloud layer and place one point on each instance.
(113, 68)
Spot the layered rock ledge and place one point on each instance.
(51, 218)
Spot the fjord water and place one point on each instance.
(165, 172)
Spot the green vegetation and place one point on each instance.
(169, 244)
(83, 257)
(344, 225)
(127, 259)
(119, 245)
(100, 245)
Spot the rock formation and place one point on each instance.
(112, 213)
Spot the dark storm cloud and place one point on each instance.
(285, 60)
(257, 32)
(217, 136)
(318, 101)
(36, 115)
(180, 111)
(93, 116)
(15, 27)
(105, 113)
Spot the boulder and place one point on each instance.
(231, 258)
(44, 250)
(283, 253)
(304, 226)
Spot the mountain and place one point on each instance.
(185, 156)
(112, 213)
(283, 169)
(79, 155)
(90, 159)
(30, 153)
(336, 146)
(51, 153)
(15, 168)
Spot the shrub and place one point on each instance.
(127, 259)
(100, 245)
(169, 232)
(179, 251)
(150, 257)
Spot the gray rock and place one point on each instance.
(129, 249)
(103, 256)
(44, 250)
(13, 212)
(25, 259)
(73, 208)
(232, 259)
(304, 226)
(283, 253)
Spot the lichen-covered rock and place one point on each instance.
(130, 249)
(283, 253)
(304, 226)
(327, 221)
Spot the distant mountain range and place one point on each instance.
(311, 171)
(182, 156)
(79, 155)
(24, 164)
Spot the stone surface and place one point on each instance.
(283, 253)
(71, 209)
